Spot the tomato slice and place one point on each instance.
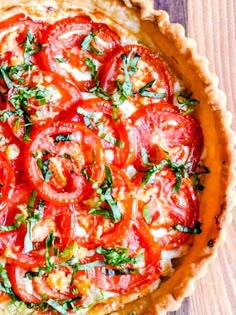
(123, 72)
(7, 181)
(161, 208)
(42, 97)
(131, 276)
(165, 133)
(21, 285)
(96, 114)
(56, 158)
(71, 41)
(12, 150)
(21, 40)
(109, 220)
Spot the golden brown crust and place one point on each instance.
(153, 29)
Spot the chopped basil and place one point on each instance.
(63, 138)
(34, 215)
(32, 274)
(201, 169)
(144, 91)
(93, 69)
(195, 230)
(146, 215)
(117, 256)
(133, 63)
(180, 170)
(89, 266)
(117, 272)
(31, 46)
(96, 89)
(8, 81)
(61, 59)
(49, 243)
(102, 211)
(86, 44)
(44, 167)
(185, 102)
(151, 172)
(20, 103)
(19, 219)
(91, 119)
(104, 190)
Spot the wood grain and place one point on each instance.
(212, 23)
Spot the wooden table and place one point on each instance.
(212, 23)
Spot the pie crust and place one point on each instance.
(153, 29)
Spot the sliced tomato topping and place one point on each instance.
(12, 149)
(21, 285)
(56, 158)
(21, 40)
(141, 271)
(7, 181)
(161, 207)
(72, 41)
(42, 97)
(96, 114)
(165, 133)
(135, 75)
(105, 216)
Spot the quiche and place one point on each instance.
(115, 159)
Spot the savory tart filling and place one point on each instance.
(100, 165)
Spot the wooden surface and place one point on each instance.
(212, 23)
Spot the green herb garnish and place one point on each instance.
(195, 230)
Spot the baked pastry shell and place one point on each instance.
(153, 29)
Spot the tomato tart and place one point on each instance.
(115, 159)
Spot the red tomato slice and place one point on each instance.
(162, 129)
(56, 157)
(96, 114)
(43, 97)
(160, 208)
(138, 242)
(96, 229)
(22, 286)
(71, 41)
(12, 149)
(13, 34)
(7, 181)
(125, 68)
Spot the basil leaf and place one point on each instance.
(151, 172)
(195, 230)
(117, 272)
(102, 211)
(117, 256)
(44, 167)
(105, 192)
(93, 69)
(186, 102)
(31, 46)
(86, 44)
(63, 138)
(144, 92)
(133, 63)
(49, 243)
(89, 266)
(61, 59)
